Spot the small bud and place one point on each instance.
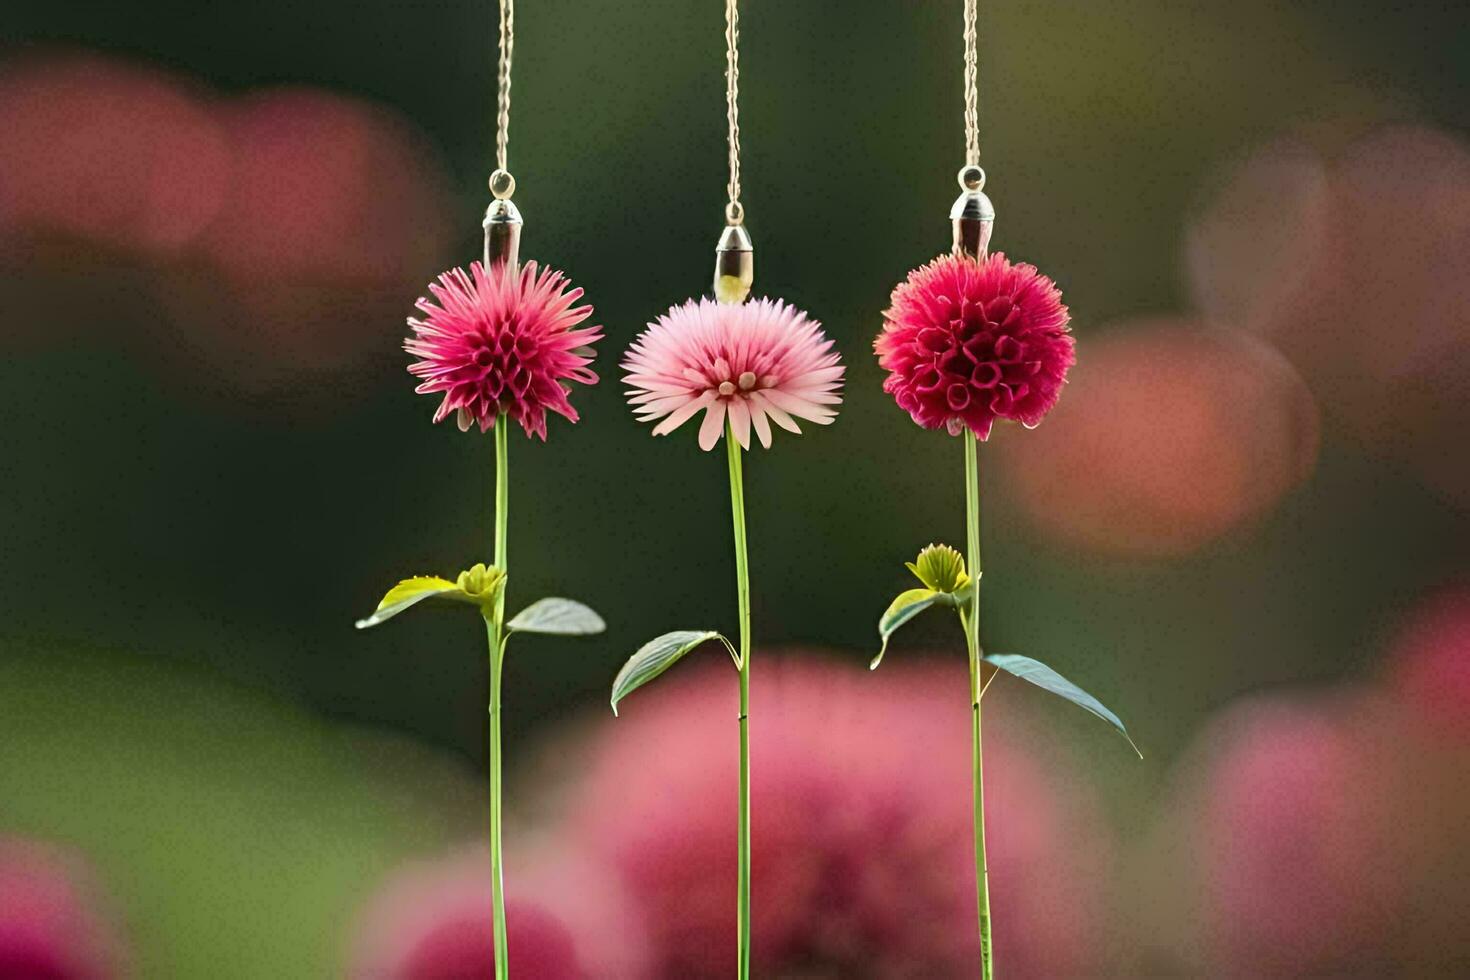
(479, 580)
(941, 568)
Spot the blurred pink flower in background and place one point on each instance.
(1429, 664)
(1249, 251)
(565, 920)
(502, 342)
(1302, 839)
(965, 343)
(756, 363)
(328, 188)
(1354, 262)
(1293, 842)
(108, 151)
(1427, 739)
(51, 926)
(246, 243)
(303, 273)
(1172, 434)
(861, 831)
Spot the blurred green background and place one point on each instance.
(184, 549)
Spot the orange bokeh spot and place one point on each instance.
(1169, 435)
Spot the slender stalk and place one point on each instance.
(742, 591)
(495, 629)
(972, 641)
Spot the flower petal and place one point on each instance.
(740, 421)
(712, 426)
(761, 423)
(683, 413)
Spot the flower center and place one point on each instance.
(747, 382)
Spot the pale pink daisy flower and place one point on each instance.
(755, 363)
(502, 342)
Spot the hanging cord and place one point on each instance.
(972, 123)
(502, 104)
(734, 255)
(734, 212)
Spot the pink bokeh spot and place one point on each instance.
(965, 343)
(327, 189)
(461, 946)
(861, 825)
(1291, 854)
(431, 920)
(1429, 665)
(50, 925)
(1351, 259)
(109, 152)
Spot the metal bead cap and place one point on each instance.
(972, 215)
(502, 185)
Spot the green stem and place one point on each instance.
(742, 589)
(972, 641)
(495, 628)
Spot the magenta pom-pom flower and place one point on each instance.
(754, 363)
(967, 342)
(503, 341)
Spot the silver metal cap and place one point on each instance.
(973, 218)
(734, 265)
(502, 234)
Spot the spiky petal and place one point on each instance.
(967, 342)
(502, 342)
(755, 363)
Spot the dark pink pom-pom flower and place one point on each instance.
(502, 342)
(967, 342)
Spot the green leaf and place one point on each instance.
(657, 656)
(1047, 679)
(902, 609)
(410, 592)
(561, 617)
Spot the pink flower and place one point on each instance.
(1286, 844)
(1430, 663)
(754, 363)
(431, 921)
(49, 926)
(967, 342)
(861, 833)
(502, 343)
